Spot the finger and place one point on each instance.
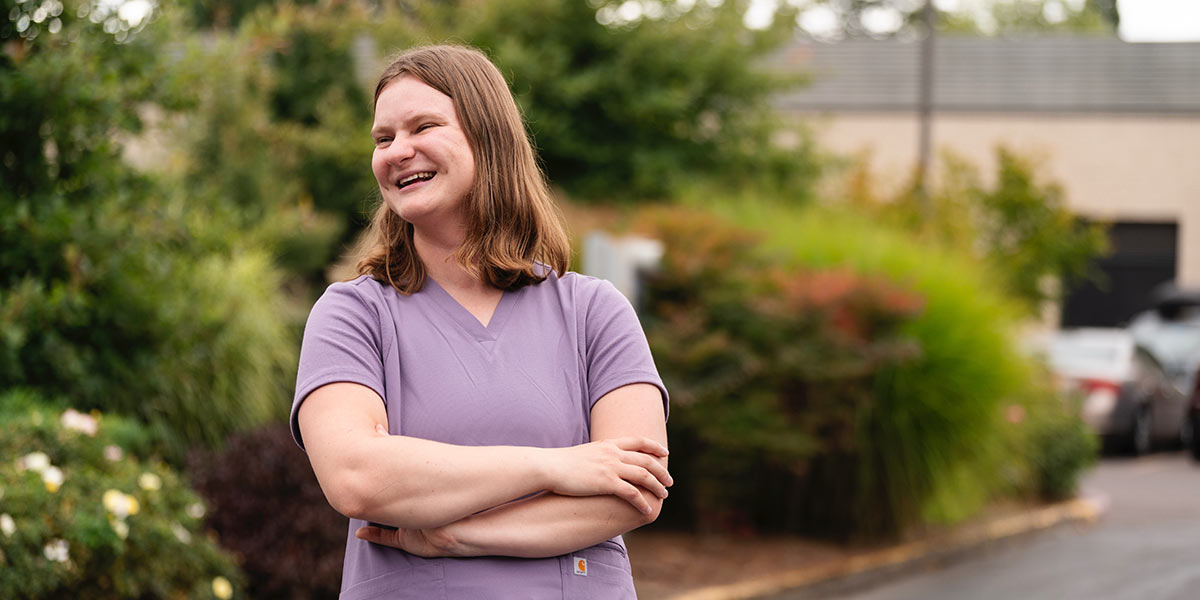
(378, 535)
(642, 444)
(652, 465)
(380, 429)
(631, 495)
(642, 477)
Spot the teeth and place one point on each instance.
(424, 176)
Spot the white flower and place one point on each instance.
(81, 422)
(113, 453)
(34, 461)
(53, 478)
(120, 505)
(222, 588)
(196, 510)
(119, 526)
(181, 533)
(149, 481)
(57, 551)
(7, 525)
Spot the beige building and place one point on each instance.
(1116, 124)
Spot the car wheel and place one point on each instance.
(1143, 429)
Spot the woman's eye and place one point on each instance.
(382, 140)
(424, 126)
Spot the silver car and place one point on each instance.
(1127, 396)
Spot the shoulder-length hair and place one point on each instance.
(512, 223)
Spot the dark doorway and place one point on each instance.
(1143, 257)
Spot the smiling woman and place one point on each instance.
(490, 422)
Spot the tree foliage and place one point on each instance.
(116, 291)
(885, 18)
(1017, 224)
(632, 108)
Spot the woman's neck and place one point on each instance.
(437, 253)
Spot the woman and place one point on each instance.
(490, 422)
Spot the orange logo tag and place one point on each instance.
(580, 566)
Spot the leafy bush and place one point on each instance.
(773, 372)
(268, 508)
(83, 516)
(1019, 224)
(115, 290)
(1058, 445)
(894, 361)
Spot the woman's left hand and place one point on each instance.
(427, 543)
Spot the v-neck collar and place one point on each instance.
(463, 317)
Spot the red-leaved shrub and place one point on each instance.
(267, 507)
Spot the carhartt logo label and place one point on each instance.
(580, 566)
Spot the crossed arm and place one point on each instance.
(451, 500)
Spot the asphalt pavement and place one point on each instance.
(1145, 547)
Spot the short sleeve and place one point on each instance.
(342, 343)
(616, 351)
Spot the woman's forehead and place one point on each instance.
(407, 96)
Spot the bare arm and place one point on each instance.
(425, 484)
(551, 524)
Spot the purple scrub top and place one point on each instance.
(529, 378)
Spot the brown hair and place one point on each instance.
(512, 221)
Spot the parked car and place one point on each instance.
(1191, 432)
(1127, 396)
(1171, 332)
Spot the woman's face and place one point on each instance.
(422, 161)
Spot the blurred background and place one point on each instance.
(903, 264)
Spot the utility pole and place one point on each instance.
(925, 105)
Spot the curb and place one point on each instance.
(880, 563)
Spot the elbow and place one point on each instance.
(656, 504)
(350, 494)
(348, 499)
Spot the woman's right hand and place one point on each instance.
(615, 466)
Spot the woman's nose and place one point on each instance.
(399, 150)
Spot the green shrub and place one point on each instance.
(117, 290)
(83, 516)
(908, 412)
(1058, 446)
(772, 371)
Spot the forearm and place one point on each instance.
(546, 525)
(429, 484)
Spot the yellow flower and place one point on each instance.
(196, 510)
(119, 504)
(34, 461)
(57, 551)
(53, 478)
(149, 481)
(119, 526)
(222, 588)
(81, 422)
(181, 534)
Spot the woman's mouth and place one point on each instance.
(414, 178)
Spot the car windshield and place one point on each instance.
(1174, 345)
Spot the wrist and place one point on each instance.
(540, 461)
(453, 539)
